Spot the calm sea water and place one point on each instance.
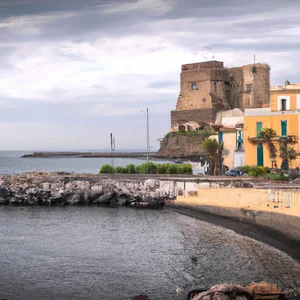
(70, 253)
(12, 163)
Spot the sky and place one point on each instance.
(73, 71)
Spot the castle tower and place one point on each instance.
(207, 88)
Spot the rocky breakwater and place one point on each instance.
(36, 188)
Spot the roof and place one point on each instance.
(289, 87)
(252, 112)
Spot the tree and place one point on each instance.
(268, 134)
(287, 153)
(214, 151)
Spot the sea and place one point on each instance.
(103, 253)
(11, 162)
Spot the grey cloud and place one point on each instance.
(162, 84)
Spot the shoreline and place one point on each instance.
(257, 232)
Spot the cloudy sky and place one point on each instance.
(72, 71)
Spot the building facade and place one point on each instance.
(208, 87)
(230, 132)
(283, 116)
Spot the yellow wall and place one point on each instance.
(229, 140)
(274, 98)
(279, 209)
(272, 121)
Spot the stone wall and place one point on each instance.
(273, 208)
(204, 115)
(181, 146)
(242, 83)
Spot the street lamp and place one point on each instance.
(148, 139)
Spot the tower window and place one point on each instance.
(204, 99)
(194, 86)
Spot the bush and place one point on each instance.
(107, 169)
(163, 168)
(172, 169)
(120, 170)
(150, 168)
(130, 169)
(255, 171)
(187, 169)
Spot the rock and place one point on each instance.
(225, 292)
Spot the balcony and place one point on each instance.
(290, 139)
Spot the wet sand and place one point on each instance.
(260, 233)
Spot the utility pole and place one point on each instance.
(112, 147)
(148, 142)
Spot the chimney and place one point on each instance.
(287, 83)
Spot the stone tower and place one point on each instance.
(207, 88)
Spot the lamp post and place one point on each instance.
(148, 138)
(148, 141)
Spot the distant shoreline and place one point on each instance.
(90, 154)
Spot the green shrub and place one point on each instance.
(107, 169)
(172, 169)
(120, 170)
(163, 168)
(257, 171)
(150, 168)
(130, 169)
(187, 169)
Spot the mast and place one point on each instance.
(148, 141)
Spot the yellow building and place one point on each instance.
(229, 127)
(283, 116)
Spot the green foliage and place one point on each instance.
(203, 133)
(173, 169)
(206, 133)
(272, 150)
(150, 168)
(212, 147)
(107, 169)
(163, 168)
(276, 176)
(257, 171)
(287, 152)
(186, 169)
(130, 169)
(268, 133)
(120, 170)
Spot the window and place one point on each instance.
(194, 86)
(283, 104)
(249, 87)
(220, 137)
(258, 128)
(283, 128)
(204, 99)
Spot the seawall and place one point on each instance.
(276, 209)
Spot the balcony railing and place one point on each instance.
(290, 139)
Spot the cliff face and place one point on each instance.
(176, 145)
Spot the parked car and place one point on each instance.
(235, 172)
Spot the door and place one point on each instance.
(283, 128)
(260, 155)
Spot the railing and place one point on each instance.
(290, 139)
